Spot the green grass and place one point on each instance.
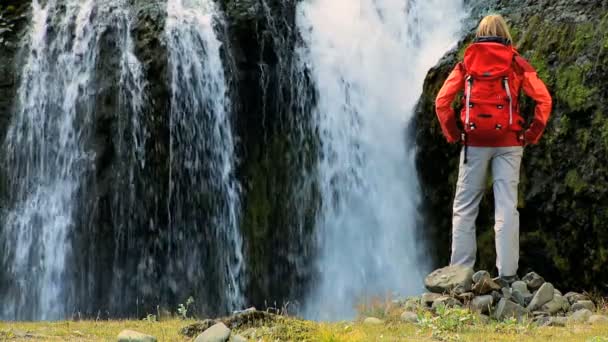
(289, 329)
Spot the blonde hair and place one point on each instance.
(494, 26)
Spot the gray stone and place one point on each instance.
(574, 297)
(412, 304)
(134, 336)
(237, 338)
(506, 292)
(583, 304)
(557, 292)
(521, 287)
(410, 317)
(580, 316)
(555, 305)
(217, 333)
(496, 296)
(446, 279)
(482, 304)
(485, 285)
(446, 301)
(552, 321)
(533, 280)
(373, 321)
(501, 282)
(598, 319)
(518, 298)
(429, 298)
(542, 296)
(506, 309)
(480, 275)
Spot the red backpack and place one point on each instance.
(490, 107)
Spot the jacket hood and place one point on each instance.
(489, 57)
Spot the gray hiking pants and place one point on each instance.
(504, 163)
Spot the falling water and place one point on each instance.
(368, 60)
(49, 155)
(204, 203)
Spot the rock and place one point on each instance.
(521, 287)
(466, 297)
(448, 278)
(506, 292)
(217, 333)
(429, 298)
(501, 282)
(446, 301)
(484, 319)
(485, 286)
(134, 336)
(557, 292)
(496, 296)
(412, 304)
(237, 338)
(533, 281)
(552, 321)
(507, 309)
(373, 321)
(482, 304)
(580, 316)
(409, 317)
(542, 296)
(598, 319)
(194, 329)
(583, 304)
(518, 298)
(479, 275)
(555, 305)
(574, 297)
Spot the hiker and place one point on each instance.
(493, 134)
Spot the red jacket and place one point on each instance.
(524, 77)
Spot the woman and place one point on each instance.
(492, 132)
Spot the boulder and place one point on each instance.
(496, 296)
(574, 297)
(373, 321)
(583, 304)
(598, 319)
(555, 305)
(552, 321)
(412, 304)
(217, 333)
(237, 338)
(542, 296)
(446, 301)
(501, 282)
(485, 285)
(518, 297)
(479, 275)
(521, 287)
(580, 316)
(482, 304)
(506, 309)
(448, 278)
(428, 298)
(134, 336)
(409, 317)
(506, 292)
(533, 281)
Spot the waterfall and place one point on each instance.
(204, 203)
(368, 60)
(49, 153)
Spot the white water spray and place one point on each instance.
(368, 60)
(202, 148)
(47, 158)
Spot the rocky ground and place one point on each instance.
(461, 305)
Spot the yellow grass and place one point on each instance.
(296, 330)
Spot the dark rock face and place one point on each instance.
(563, 196)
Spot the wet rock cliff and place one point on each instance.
(563, 194)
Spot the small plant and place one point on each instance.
(150, 318)
(447, 322)
(182, 310)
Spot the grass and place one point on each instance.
(289, 329)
